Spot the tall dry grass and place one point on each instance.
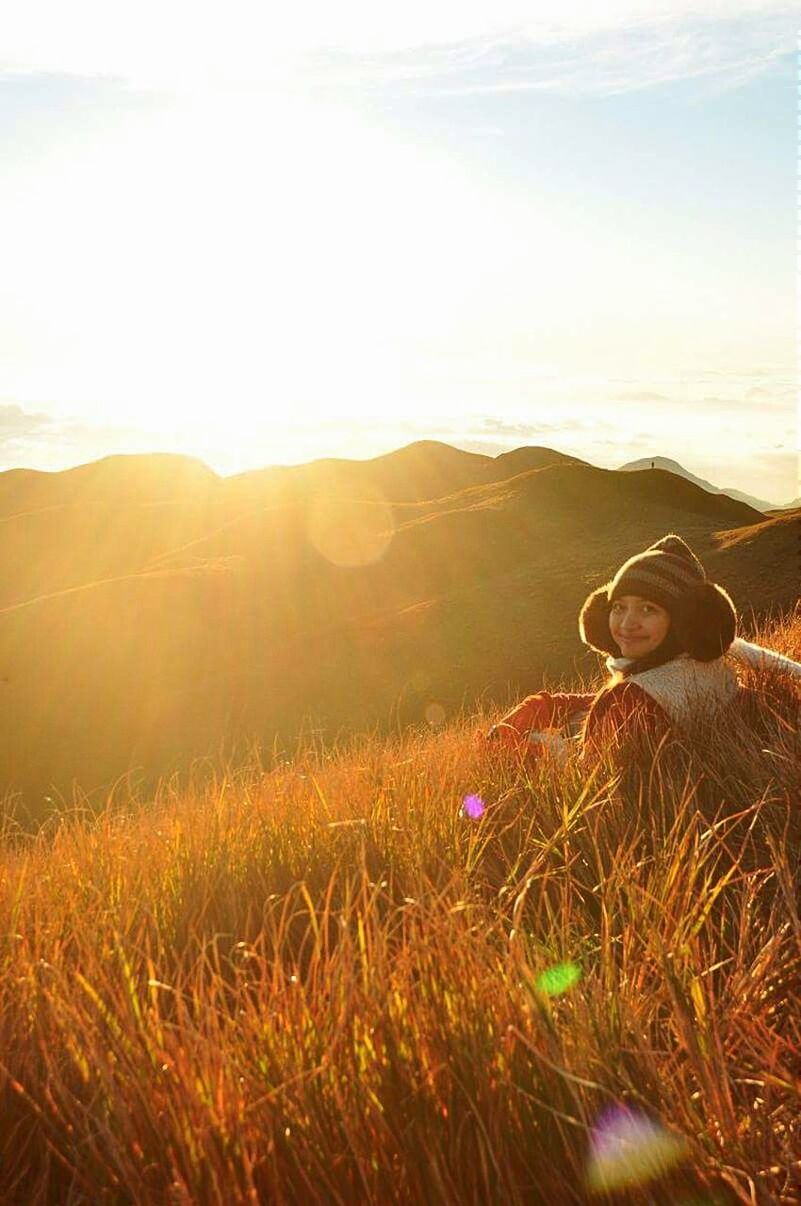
(316, 980)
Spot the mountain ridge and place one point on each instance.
(663, 462)
(152, 631)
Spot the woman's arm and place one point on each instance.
(545, 710)
(760, 658)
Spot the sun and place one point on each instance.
(244, 262)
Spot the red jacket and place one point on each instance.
(597, 718)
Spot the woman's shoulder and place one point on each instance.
(623, 700)
(624, 690)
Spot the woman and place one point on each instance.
(668, 633)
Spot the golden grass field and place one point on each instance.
(311, 978)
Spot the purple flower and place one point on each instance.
(473, 807)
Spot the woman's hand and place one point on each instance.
(535, 712)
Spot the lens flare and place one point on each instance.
(627, 1148)
(350, 532)
(559, 978)
(435, 714)
(473, 807)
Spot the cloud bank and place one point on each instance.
(606, 436)
(454, 45)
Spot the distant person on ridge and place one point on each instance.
(669, 636)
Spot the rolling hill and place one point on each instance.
(144, 633)
(123, 479)
(663, 462)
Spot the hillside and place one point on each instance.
(663, 462)
(144, 634)
(126, 479)
(422, 470)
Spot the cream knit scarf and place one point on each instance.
(683, 685)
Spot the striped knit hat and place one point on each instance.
(703, 617)
(663, 573)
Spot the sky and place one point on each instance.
(260, 237)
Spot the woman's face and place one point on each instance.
(637, 625)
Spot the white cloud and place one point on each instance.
(42, 440)
(590, 427)
(19, 424)
(477, 45)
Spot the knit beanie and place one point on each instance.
(663, 573)
(703, 617)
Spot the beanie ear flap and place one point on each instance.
(594, 623)
(705, 621)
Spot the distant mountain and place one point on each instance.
(425, 469)
(520, 460)
(419, 471)
(146, 633)
(149, 477)
(663, 462)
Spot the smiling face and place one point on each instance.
(637, 625)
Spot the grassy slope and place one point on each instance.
(210, 614)
(314, 980)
